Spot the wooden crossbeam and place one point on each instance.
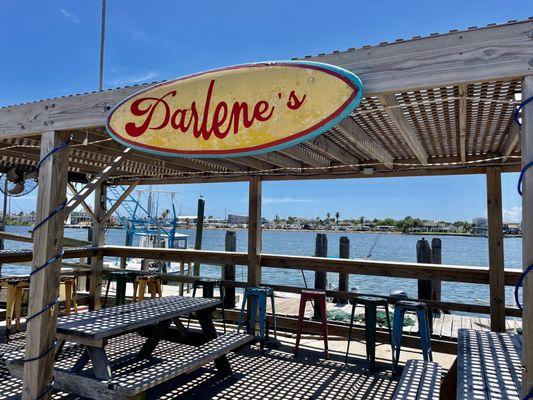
(84, 204)
(510, 143)
(330, 149)
(300, 153)
(393, 109)
(253, 163)
(360, 139)
(96, 181)
(462, 122)
(120, 200)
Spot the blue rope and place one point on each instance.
(519, 285)
(46, 352)
(48, 387)
(55, 150)
(517, 111)
(43, 310)
(46, 264)
(521, 177)
(54, 212)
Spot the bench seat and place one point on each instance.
(420, 380)
(168, 361)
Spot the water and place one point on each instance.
(390, 247)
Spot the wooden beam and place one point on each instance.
(462, 122)
(119, 201)
(511, 141)
(475, 55)
(95, 289)
(395, 112)
(330, 149)
(254, 232)
(83, 203)
(67, 242)
(253, 163)
(44, 285)
(361, 140)
(96, 181)
(301, 154)
(527, 238)
(496, 258)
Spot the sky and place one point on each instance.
(50, 48)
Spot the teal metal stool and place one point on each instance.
(400, 308)
(371, 304)
(121, 278)
(257, 298)
(208, 292)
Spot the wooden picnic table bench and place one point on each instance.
(420, 380)
(86, 336)
(488, 365)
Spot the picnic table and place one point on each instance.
(488, 365)
(87, 335)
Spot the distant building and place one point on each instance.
(480, 221)
(480, 226)
(234, 219)
(79, 218)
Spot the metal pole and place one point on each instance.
(102, 43)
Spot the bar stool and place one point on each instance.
(121, 278)
(257, 298)
(420, 309)
(208, 292)
(319, 297)
(152, 282)
(371, 304)
(15, 287)
(68, 290)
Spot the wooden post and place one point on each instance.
(254, 231)
(228, 272)
(425, 286)
(97, 263)
(496, 258)
(344, 278)
(321, 250)
(436, 258)
(527, 238)
(199, 232)
(44, 285)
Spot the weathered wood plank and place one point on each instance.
(254, 231)
(420, 380)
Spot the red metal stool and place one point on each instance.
(319, 297)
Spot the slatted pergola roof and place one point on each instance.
(441, 104)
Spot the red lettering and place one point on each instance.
(137, 110)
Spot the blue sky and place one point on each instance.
(50, 48)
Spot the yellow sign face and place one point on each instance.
(236, 111)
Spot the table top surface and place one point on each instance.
(488, 365)
(109, 322)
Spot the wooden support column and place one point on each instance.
(228, 272)
(254, 232)
(496, 261)
(97, 263)
(527, 238)
(44, 285)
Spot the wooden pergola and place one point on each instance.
(436, 105)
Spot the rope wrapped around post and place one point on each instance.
(49, 262)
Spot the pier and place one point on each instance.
(432, 106)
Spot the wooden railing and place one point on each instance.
(451, 273)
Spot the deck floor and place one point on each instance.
(273, 375)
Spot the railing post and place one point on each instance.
(199, 232)
(436, 258)
(228, 272)
(496, 257)
(254, 232)
(97, 262)
(44, 285)
(526, 141)
(344, 278)
(425, 286)
(321, 277)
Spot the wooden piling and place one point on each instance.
(199, 232)
(423, 255)
(496, 255)
(344, 278)
(321, 250)
(44, 285)
(228, 272)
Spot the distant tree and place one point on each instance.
(337, 216)
(328, 217)
(362, 220)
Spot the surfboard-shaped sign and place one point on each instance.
(236, 111)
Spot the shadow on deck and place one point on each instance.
(273, 375)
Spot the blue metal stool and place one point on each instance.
(423, 328)
(257, 298)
